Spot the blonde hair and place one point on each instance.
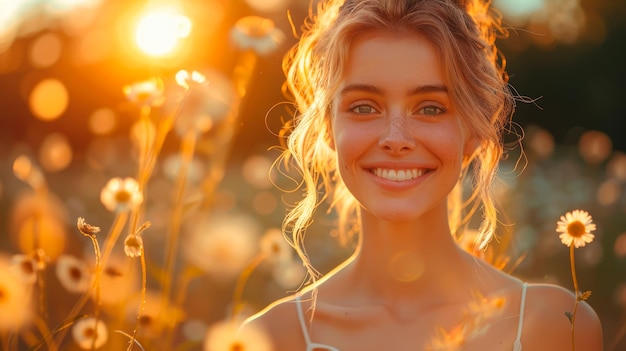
(463, 32)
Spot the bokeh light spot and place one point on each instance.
(620, 245)
(405, 267)
(541, 142)
(55, 153)
(616, 167)
(595, 146)
(609, 192)
(519, 9)
(22, 167)
(159, 31)
(42, 231)
(256, 170)
(267, 5)
(102, 121)
(48, 99)
(265, 202)
(45, 50)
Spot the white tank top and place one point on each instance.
(312, 346)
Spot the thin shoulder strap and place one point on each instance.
(305, 332)
(310, 346)
(517, 346)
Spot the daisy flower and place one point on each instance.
(148, 93)
(118, 281)
(222, 245)
(121, 194)
(290, 274)
(133, 245)
(274, 246)
(227, 336)
(207, 101)
(90, 331)
(257, 33)
(73, 274)
(153, 316)
(188, 79)
(25, 267)
(14, 300)
(87, 229)
(576, 227)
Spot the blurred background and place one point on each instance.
(64, 63)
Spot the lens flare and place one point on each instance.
(159, 31)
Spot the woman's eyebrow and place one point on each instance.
(423, 89)
(369, 88)
(362, 88)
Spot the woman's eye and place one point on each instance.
(432, 110)
(363, 109)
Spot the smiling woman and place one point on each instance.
(401, 107)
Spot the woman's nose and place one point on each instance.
(396, 136)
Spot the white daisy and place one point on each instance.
(275, 247)
(258, 34)
(90, 331)
(147, 93)
(576, 227)
(121, 194)
(15, 302)
(25, 267)
(227, 336)
(73, 274)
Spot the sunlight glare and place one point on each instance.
(159, 31)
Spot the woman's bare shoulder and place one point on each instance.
(281, 323)
(548, 318)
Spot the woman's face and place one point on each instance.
(399, 141)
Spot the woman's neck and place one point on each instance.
(409, 259)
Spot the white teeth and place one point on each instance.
(398, 175)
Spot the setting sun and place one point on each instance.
(159, 31)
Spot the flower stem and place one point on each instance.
(45, 332)
(142, 302)
(96, 249)
(241, 283)
(101, 261)
(573, 267)
(187, 151)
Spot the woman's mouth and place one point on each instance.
(399, 175)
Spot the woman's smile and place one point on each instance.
(398, 175)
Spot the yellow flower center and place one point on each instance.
(133, 243)
(89, 333)
(236, 346)
(122, 196)
(145, 320)
(576, 229)
(276, 248)
(144, 96)
(28, 267)
(76, 274)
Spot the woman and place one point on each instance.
(397, 101)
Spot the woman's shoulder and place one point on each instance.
(281, 323)
(549, 315)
